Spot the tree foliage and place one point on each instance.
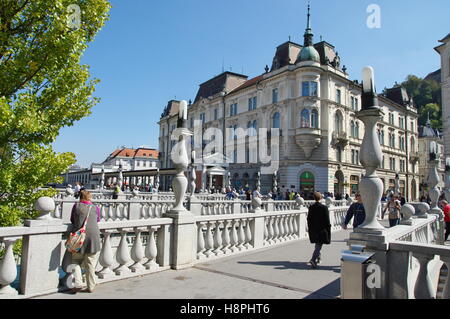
(427, 97)
(43, 87)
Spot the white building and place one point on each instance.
(444, 51)
(131, 160)
(308, 95)
(426, 135)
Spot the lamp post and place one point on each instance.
(371, 186)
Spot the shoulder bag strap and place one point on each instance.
(85, 221)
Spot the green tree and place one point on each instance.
(434, 111)
(427, 97)
(43, 87)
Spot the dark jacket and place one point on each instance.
(79, 214)
(358, 213)
(319, 226)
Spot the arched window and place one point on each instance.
(338, 122)
(357, 129)
(314, 119)
(352, 129)
(307, 184)
(413, 144)
(255, 127)
(250, 131)
(305, 119)
(276, 120)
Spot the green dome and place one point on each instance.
(308, 53)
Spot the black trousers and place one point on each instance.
(447, 230)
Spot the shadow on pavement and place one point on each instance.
(291, 265)
(332, 290)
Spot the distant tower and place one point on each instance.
(444, 51)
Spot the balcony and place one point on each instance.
(414, 157)
(308, 139)
(339, 139)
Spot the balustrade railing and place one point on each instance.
(137, 239)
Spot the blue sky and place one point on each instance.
(152, 51)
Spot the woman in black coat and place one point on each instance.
(319, 228)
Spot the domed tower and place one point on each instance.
(308, 55)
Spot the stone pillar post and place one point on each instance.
(434, 193)
(41, 253)
(184, 228)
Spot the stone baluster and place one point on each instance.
(234, 236)
(209, 242)
(446, 290)
(8, 268)
(241, 235)
(270, 222)
(143, 209)
(424, 287)
(123, 254)
(248, 234)
(218, 240)
(296, 226)
(201, 241)
(287, 226)
(103, 212)
(281, 228)
(106, 258)
(291, 226)
(266, 231)
(276, 230)
(111, 212)
(137, 252)
(151, 250)
(226, 238)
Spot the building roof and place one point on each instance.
(399, 96)
(286, 54)
(248, 83)
(445, 39)
(172, 108)
(224, 82)
(133, 153)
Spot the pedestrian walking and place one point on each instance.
(393, 207)
(357, 212)
(319, 228)
(86, 213)
(446, 218)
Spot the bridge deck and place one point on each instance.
(277, 272)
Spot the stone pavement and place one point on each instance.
(279, 272)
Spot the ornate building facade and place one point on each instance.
(308, 96)
(444, 51)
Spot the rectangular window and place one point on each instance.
(356, 104)
(233, 109)
(309, 88)
(202, 117)
(338, 96)
(252, 103)
(216, 114)
(275, 96)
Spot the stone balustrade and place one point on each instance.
(407, 257)
(140, 241)
(416, 270)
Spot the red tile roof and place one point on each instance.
(248, 83)
(140, 152)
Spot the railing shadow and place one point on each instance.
(283, 265)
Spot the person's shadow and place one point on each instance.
(283, 265)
